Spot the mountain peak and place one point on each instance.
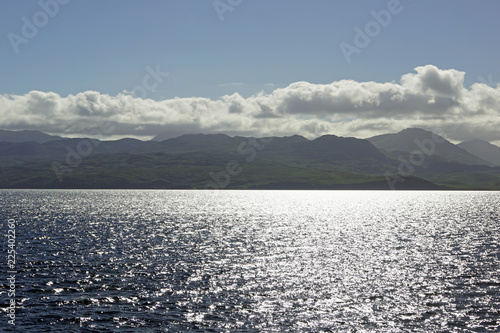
(326, 137)
(414, 130)
(26, 136)
(190, 137)
(482, 149)
(411, 139)
(420, 133)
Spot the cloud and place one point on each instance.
(431, 98)
(432, 80)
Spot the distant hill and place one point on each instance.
(26, 136)
(172, 135)
(329, 152)
(482, 149)
(220, 161)
(162, 137)
(199, 143)
(340, 148)
(414, 139)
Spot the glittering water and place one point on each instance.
(253, 261)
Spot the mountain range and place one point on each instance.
(411, 159)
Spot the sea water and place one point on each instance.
(251, 261)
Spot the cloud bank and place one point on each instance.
(430, 98)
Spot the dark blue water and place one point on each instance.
(252, 261)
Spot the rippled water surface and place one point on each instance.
(253, 261)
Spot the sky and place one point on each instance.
(251, 67)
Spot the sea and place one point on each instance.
(249, 261)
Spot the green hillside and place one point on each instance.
(219, 161)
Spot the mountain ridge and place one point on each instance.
(419, 140)
(221, 161)
(26, 136)
(483, 149)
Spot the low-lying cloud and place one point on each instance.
(430, 98)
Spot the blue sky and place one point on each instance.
(105, 46)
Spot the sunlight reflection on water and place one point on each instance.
(304, 261)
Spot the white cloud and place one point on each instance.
(432, 80)
(431, 98)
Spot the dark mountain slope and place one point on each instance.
(483, 150)
(197, 161)
(416, 139)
